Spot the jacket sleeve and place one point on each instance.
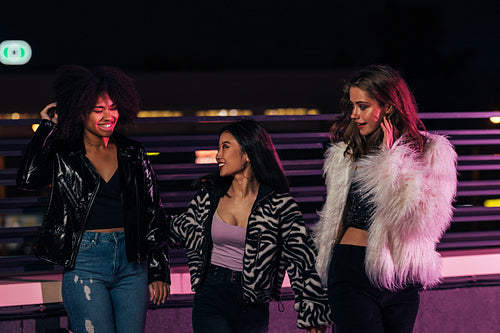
(311, 301)
(337, 171)
(158, 259)
(412, 194)
(183, 230)
(35, 167)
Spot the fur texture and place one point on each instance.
(412, 194)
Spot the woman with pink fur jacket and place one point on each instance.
(390, 187)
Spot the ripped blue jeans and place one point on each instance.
(104, 292)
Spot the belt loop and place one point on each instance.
(234, 277)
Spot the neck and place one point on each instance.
(243, 187)
(95, 142)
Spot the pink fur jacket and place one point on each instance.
(412, 194)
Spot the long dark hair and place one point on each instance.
(256, 142)
(389, 89)
(77, 89)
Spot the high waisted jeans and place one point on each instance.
(219, 305)
(104, 292)
(360, 307)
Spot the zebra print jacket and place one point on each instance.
(276, 240)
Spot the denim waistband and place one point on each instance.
(92, 235)
(225, 274)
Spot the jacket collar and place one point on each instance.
(76, 147)
(264, 192)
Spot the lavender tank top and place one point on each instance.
(229, 245)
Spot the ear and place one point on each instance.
(388, 110)
(244, 155)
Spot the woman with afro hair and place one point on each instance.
(104, 222)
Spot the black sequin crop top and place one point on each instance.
(358, 209)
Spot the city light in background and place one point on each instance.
(15, 52)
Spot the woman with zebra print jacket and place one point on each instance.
(242, 230)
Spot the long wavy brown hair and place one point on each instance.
(389, 89)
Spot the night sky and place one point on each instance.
(436, 44)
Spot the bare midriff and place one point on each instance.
(354, 236)
(107, 230)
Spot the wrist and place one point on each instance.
(47, 122)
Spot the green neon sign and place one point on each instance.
(15, 52)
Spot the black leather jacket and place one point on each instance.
(74, 182)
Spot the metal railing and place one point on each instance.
(301, 151)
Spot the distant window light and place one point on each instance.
(17, 116)
(291, 112)
(205, 157)
(15, 52)
(159, 114)
(223, 113)
(495, 120)
(492, 203)
(34, 127)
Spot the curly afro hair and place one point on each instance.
(77, 90)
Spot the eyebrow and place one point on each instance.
(102, 107)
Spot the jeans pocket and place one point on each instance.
(85, 245)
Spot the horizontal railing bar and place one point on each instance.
(449, 240)
(465, 188)
(478, 167)
(479, 157)
(267, 118)
(475, 142)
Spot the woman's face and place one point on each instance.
(366, 112)
(102, 119)
(229, 156)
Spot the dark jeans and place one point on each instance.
(219, 306)
(360, 307)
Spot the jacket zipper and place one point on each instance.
(87, 212)
(259, 238)
(69, 192)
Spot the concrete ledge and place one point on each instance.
(42, 289)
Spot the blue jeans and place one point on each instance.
(104, 292)
(219, 305)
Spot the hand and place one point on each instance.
(317, 329)
(159, 292)
(388, 133)
(45, 113)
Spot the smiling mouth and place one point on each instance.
(221, 165)
(107, 126)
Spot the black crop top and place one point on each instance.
(107, 210)
(358, 209)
